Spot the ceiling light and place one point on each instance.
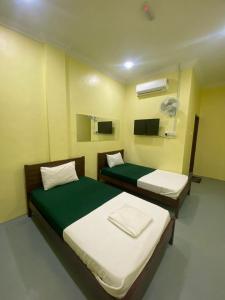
(93, 80)
(25, 1)
(128, 65)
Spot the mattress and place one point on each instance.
(65, 204)
(164, 183)
(127, 172)
(115, 258)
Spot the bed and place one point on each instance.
(125, 177)
(61, 223)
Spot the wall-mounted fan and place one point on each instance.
(170, 106)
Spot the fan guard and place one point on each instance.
(170, 106)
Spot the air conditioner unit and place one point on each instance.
(152, 86)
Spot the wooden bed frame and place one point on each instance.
(173, 203)
(89, 283)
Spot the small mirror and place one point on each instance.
(92, 128)
(83, 128)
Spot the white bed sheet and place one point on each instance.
(164, 183)
(115, 258)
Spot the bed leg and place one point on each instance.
(172, 236)
(29, 212)
(177, 212)
(189, 191)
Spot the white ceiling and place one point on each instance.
(105, 33)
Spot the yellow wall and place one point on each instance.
(92, 93)
(55, 88)
(158, 152)
(210, 152)
(41, 90)
(23, 122)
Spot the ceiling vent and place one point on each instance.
(152, 86)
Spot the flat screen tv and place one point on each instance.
(105, 127)
(146, 127)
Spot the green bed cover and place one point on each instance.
(65, 204)
(127, 172)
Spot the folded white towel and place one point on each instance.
(130, 219)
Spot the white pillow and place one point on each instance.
(114, 159)
(58, 175)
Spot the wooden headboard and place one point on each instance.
(102, 160)
(33, 174)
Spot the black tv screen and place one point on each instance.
(105, 127)
(139, 127)
(146, 127)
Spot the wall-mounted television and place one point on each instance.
(146, 127)
(105, 127)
